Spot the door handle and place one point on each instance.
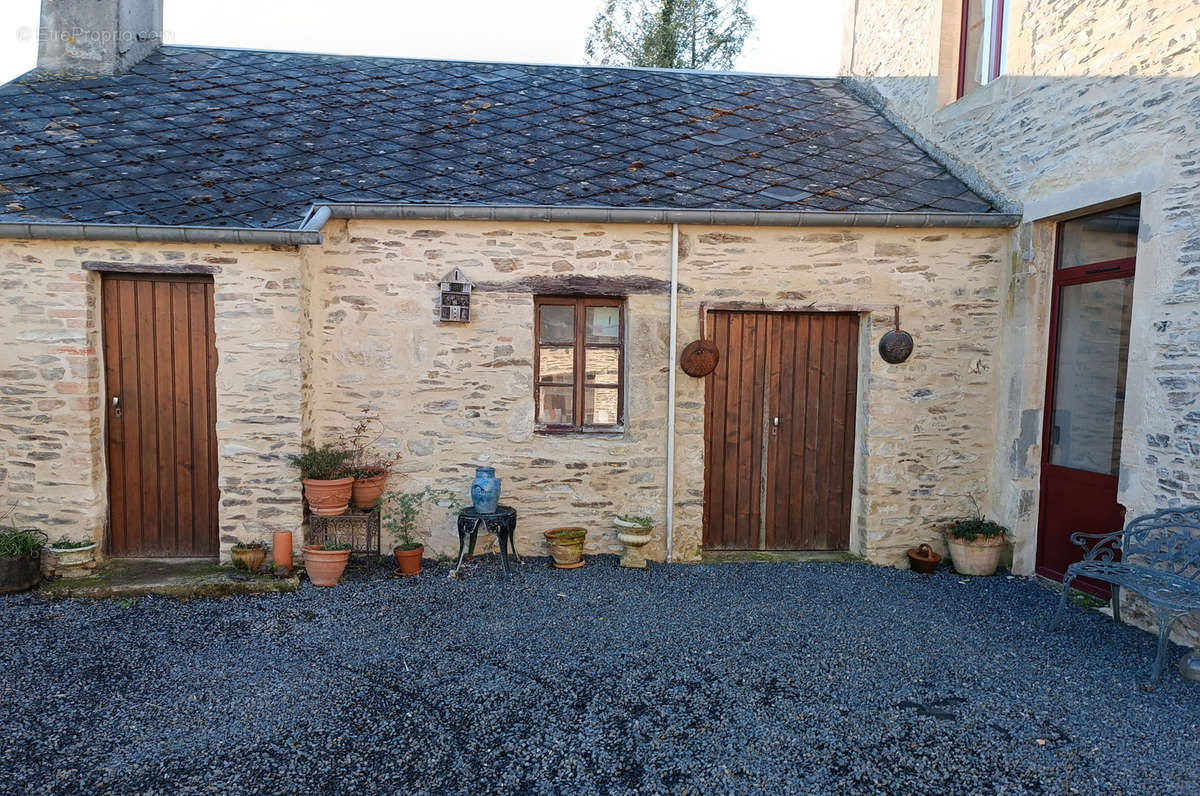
(116, 405)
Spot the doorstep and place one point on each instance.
(774, 556)
(182, 578)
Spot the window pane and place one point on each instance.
(1089, 386)
(556, 365)
(602, 365)
(557, 323)
(557, 406)
(604, 325)
(599, 406)
(1111, 235)
(974, 47)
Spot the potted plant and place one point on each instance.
(73, 558)
(327, 479)
(368, 465)
(400, 510)
(566, 546)
(249, 556)
(633, 533)
(20, 557)
(326, 563)
(975, 545)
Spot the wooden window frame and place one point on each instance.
(580, 345)
(994, 48)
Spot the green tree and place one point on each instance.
(676, 34)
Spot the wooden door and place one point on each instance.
(1085, 386)
(160, 369)
(779, 431)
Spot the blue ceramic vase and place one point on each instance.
(485, 490)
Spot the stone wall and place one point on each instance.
(454, 396)
(52, 414)
(1101, 102)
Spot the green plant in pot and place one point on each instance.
(73, 558)
(326, 474)
(20, 556)
(248, 556)
(633, 532)
(400, 513)
(976, 545)
(369, 465)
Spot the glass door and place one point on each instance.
(1089, 350)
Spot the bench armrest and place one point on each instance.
(1098, 546)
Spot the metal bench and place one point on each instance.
(1160, 560)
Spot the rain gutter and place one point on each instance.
(309, 231)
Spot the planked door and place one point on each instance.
(160, 369)
(779, 431)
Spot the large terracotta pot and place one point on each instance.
(328, 498)
(18, 573)
(566, 546)
(367, 491)
(325, 567)
(409, 561)
(978, 557)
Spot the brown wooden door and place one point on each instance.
(779, 431)
(160, 368)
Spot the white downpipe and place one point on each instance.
(671, 393)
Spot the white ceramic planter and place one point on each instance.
(980, 557)
(74, 562)
(633, 537)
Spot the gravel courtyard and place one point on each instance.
(775, 678)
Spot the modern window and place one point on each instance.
(579, 363)
(983, 43)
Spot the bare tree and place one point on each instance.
(678, 34)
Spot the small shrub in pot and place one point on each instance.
(976, 545)
(20, 558)
(328, 482)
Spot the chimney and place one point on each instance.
(97, 37)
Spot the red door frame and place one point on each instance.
(1076, 275)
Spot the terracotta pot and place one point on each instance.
(281, 548)
(325, 567)
(566, 546)
(328, 498)
(74, 562)
(980, 557)
(248, 559)
(367, 491)
(923, 559)
(18, 573)
(409, 561)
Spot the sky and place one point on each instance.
(801, 37)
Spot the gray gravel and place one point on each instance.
(734, 678)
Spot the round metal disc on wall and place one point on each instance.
(699, 358)
(896, 346)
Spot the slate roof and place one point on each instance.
(200, 136)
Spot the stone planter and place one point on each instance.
(325, 567)
(248, 558)
(979, 557)
(633, 537)
(566, 546)
(328, 498)
(73, 562)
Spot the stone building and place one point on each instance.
(271, 230)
